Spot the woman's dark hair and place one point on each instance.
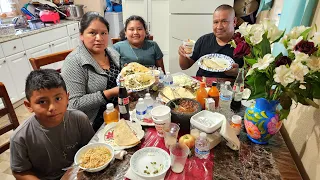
(136, 18)
(88, 17)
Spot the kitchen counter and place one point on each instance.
(31, 32)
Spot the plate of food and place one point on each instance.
(145, 122)
(182, 80)
(171, 93)
(138, 81)
(215, 62)
(133, 68)
(121, 135)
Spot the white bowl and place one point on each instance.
(86, 148)
(143, 158)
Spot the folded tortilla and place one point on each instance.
(214, 64)
(123, 135)
(132, 68)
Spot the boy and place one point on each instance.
(47, 141)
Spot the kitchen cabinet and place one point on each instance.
(19, 69)
(6, 79)
(156, 15)
(74, 41)
(58, 46)
(39, 51)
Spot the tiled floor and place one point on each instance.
(5, 171)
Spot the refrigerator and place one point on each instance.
(189, 19)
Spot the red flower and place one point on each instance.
(283, 61)
(109, 135)
(305, 47)
(237, 38)
(241, 50)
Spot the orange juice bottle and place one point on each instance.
(110, 114)
(202, 94)
(214, 93)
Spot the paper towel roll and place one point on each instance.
(228, 133)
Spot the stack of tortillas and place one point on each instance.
(123, 135)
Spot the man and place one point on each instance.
(224, 22)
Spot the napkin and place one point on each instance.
(133, 176)
(119, 154)
(228, 133)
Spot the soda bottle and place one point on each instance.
(110, 114)
(123, 101)
(202, 94)
(238, 91)
(202, 149)
(214, 93)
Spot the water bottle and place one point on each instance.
(141, 109)
(202, 149)
(225, 96)
(148, 101)
(161, 75)
(157, 102)
(167, 80)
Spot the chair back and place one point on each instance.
(49, 59)
(115, 40)
(7, 110)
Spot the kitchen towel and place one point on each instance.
(229, 134)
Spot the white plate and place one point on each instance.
(132, 76)
(186, 81)
(216, 57)
(106, 134)
(142, 123)
(144, 157)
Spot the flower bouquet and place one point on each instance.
(293, 74)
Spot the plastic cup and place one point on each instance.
(171, 134)
(161, 117)
(178, 154)
(188, 46)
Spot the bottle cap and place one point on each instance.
(202, 84)
(147, 95)
(110, 106)
(214, 83)
(227, 83)
(168, 73)
(203, 135)
(140, 100)
(236, 119)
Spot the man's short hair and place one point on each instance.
(225, 7)
(43, 79)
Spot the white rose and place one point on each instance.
(251, 70)
(314, 63)
(316, 39)
(300, 57)
(244, 29)
(299, 71)
(293, 42)
(264, 62)
(283, 75)
(297, 31)
(273, 32)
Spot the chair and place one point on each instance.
(7, 110)
(115, 40)
(49, 59)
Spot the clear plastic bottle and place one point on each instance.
(202, 149)
(167, 80)
(148, 101)
(225, 96)
(161, 75)
(141, 109)
(157, 102)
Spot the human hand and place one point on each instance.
(113, 92)
(182, 52)
(233, 71)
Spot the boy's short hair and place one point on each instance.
(43, 79)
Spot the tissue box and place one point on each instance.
(7, 29)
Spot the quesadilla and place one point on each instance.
(133, 68)
(123, 135)
(215, 63)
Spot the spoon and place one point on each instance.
(177, 38)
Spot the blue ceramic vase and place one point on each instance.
(261, 121)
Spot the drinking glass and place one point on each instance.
(171, 134)
(178, 153)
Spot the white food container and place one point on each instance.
(207, 121)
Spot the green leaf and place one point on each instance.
(265, 46)
(316, 90)
(305, 33)
(312, 103)
(257, 83)
(278, 39)
(284, 113)
(292, 95)
(250, 61)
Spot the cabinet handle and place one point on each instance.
(24, 54)
(52, 44)
(4, 61)
(74, 29)
(14, 47)
(49, 45)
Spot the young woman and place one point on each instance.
(90, 71)
(137, 47)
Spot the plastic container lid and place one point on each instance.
(147, 95)
(168, 73)
(207, 121)
(140, 100)
(203, 135)
(227, 83)
(236, 119)
(110, 106)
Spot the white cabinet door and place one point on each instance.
(197, 7)
(39, 51)
(135, 7)
(6, 79)
(19, 68)
(74, 41)
(58, 46)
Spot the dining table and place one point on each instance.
(252, 161)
